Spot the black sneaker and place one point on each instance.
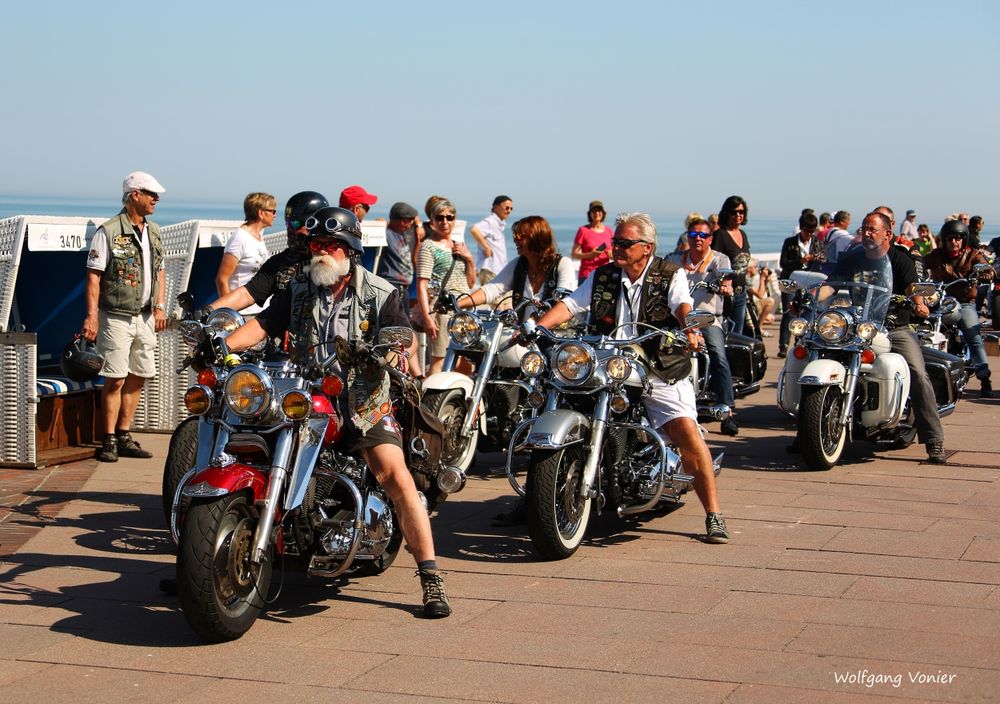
(715, 529)
(782, 352)
(435, 600)
(985, 388)
(935, 452)
(109, 450)
(729, 426)
(128, 447)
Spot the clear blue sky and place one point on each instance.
(659, 106)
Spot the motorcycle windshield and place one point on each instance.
(860, 283)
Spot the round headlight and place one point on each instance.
(464, 329)
(296, 404)
(798, 326)
(932, 299)
(247, 392)
(867, 330)
(574, 361)
(619, 368)
(832, 326)
(532, 365)
(198, 399)
(225, 320)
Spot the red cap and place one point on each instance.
(356, 195)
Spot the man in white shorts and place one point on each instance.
(637, 286)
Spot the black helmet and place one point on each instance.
(298, 209)
(80, 360)
(954, 228)
(338, 223)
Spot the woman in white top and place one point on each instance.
(535, 273)
(246, 251)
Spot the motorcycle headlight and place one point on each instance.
(618, 367)
(225, 320)
(798, 326)
(867, 330)
(932, 299)
(532, 365)
(465, 329)
(296, 404)
(248, 391)
(832, 326)
(198, 399)
(574, 362)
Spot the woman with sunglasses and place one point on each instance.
(448, 262)
(246, 250)
(731, 240)
(592, 244)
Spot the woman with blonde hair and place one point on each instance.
(245, 251)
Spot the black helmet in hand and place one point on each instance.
(80, 360)
(298, 209)
(338, 224)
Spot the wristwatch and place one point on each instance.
(160, 306)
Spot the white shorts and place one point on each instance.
(667, 402)
(128, 343)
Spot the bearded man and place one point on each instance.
(336, 296)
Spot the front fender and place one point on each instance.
(448, 380)
(823, 372)
(554, 429)
(220, 481)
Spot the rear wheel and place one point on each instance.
(181, 456)
(449, 406)
(821, 433)
(557, 515)
(221, 592)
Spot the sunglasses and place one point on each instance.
(154, 196)
(623, 243)
(699, 235)
(331, 226)
(269, 210)
(443, 218)
(329, 247)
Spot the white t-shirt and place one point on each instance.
(250, 253)
(504, 281)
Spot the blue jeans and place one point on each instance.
(738, 312)
(969, 325)
(720, 378)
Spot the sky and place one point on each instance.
(658, 106)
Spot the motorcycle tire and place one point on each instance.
(221, 594)
(821, 435)
(557, 516)
(449, 406)
(181, 456)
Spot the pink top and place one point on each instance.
(587, 240)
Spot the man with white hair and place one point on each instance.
(124, 294)
(637, 286)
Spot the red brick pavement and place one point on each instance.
(31, 498)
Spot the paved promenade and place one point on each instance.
(876, 581)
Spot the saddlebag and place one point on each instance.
(747, 362)
(947, 374)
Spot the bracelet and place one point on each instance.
(160, 306)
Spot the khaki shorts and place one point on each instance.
(128, 343)
(439, 345)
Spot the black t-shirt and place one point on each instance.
(904, 273)
(739, 257)
(275, 274)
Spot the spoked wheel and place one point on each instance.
(557, 516)
(221, 592)
(181, 456)
(449, 406)
(821, 433)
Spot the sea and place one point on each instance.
(765, 234)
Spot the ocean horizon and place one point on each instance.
(766, 234)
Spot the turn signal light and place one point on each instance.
(208, 377)
(332, 386)
(800, 352)
(867, 356)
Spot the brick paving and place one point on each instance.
(878, 581)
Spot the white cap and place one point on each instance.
(141, 181)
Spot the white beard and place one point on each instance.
(324, 270)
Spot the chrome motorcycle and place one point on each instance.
(277, 485)
(592, 441)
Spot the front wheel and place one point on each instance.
(221, 592)
(822, 436)
(557, 515)
(449, 406)
(182, 453)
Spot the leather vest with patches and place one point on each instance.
(367, 386)
(670, 364)
(521, 275)
(121, 282)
